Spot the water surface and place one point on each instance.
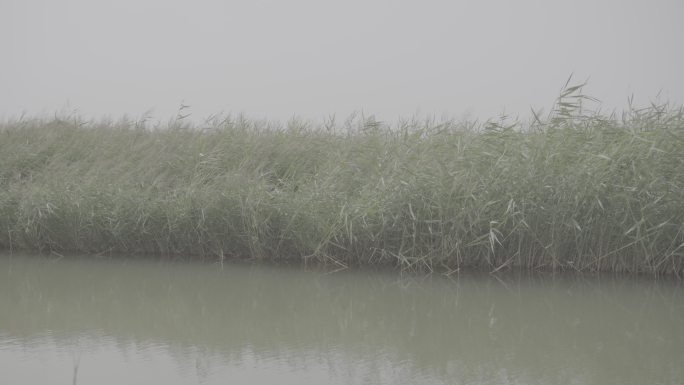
(132, 321)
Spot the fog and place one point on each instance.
(277, 59)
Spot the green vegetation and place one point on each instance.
(573, 190)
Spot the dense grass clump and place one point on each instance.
(573, 190)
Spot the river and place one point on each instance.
(78, 320)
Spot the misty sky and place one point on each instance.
(277, 58)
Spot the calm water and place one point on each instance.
(95, 321)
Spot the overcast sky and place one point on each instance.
(312, 58)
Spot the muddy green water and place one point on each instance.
(98, 321)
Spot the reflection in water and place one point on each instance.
(138, 321)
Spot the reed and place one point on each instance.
(572, 190)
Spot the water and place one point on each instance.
(99, 321)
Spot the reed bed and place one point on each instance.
(573, 190)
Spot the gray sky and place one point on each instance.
(277, 58)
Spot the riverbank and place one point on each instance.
(571, 191)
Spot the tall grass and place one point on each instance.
(573, 190)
